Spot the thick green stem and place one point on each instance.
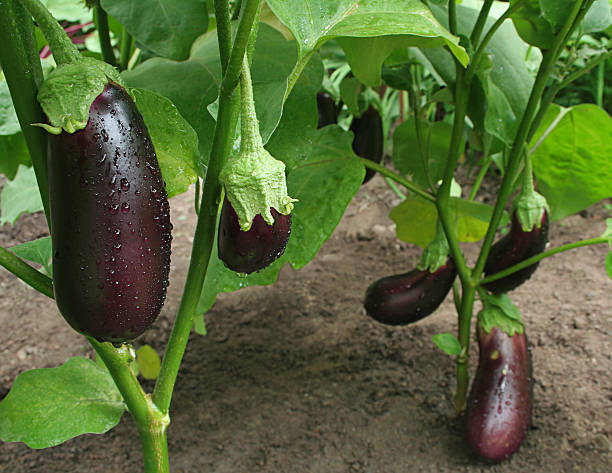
(224, 33)
(64, 52)
(452, 16)
(26, 273)
(465, 329)
(546, 67)
(541, 256)
(126, 49)
(101, 21)
(227, 118)
(21, 66)
(397, 178)
(151, 422)
(480, 22)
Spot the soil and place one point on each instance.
(295, 378)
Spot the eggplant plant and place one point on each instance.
(111, 133)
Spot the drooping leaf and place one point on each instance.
(48, 406)
(166, 27)
(571, 158)
(175, 141)
(20, 196)
(37, 251)
(399, 22)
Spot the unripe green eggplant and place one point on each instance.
(516, 246)
(368, 141)
(110, 222)
(406, 298)
(256, 248)
(500, 401)
(328, 110)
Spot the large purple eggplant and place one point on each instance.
(513, 248)
(406, 298)
(500, 401)
(110, 222)
(256, 248)
(368, 141)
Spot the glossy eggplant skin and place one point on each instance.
(406, 298)
(513, 248)
(110, 222)
(253, 250)
(328, 110)
(500, 401)
(368, 141)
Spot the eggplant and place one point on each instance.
(513, 248)
(405, 298)
(256, 248)
(110, 222)
(500, 401)
(328, 110)
(368, 141)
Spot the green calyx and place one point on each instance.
(435, 255)
(499, 311)
(68, 92)
(254, 180)
(530, 207)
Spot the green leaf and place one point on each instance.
(37, 251)
(9, 124)
(68, 10)
(531, 25)
(175, 141)
(499, 97)
(416, 220)
(500, 311)
(571, 158)
(406, 156)
(48, 406)
(350, 94)
(405, 22)
(448, 343)
(20, 196)
(166, 27)
(193, 84)
(599, 17)
(148, 362)
(13, 149)
(609, 264)
(199, 325)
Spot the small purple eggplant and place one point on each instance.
(328, 110)
(500, 401)
(368, 141)
(513, 248)
(256, 248)
(405, 298)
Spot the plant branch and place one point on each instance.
(126, 49)
(541, 256)
(480, 22)
(101, 22)
(26, 273)
(411, 186)
(224, 32)
(452, 16)
(21, 66)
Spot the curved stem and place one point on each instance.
(64, 52)
(101, 21)
(26, 273)
(21, 66)
(397, 178)
(541, 256)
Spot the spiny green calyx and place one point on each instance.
(254, 180)
(498, 310)
(529, 205)
(68, 92)
(435, 255)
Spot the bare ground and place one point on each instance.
(295, 378)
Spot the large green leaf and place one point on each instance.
(175, 141)
(20, 196)
(416, 220)
(400, 22)
(48, 406)
(506, 84)
(406, 156)
(166, 27)
(571, 158)
(192, 85)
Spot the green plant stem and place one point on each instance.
(250, 139)
(452, 16)
(64, 52)
(296, 72)
(126, 49)
(514, 161)
(395, 189)
(26, 273)
(151, 422)
(480, 22)
(599, 93)
(204, 236)
(397, 178)
(224, 32)
(541, 256)
(101, 22)
(21, 66)
(481, 174)
(465, 328)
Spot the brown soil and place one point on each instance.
(295, 378)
